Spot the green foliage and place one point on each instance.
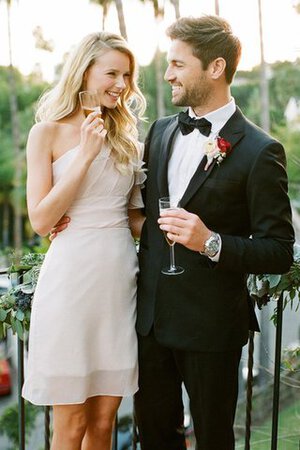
(291, 359)
(148, 86)
(28, 89)
(9, 422)
(266, 286)
(290, 140)
(15, 304)
(246, 91)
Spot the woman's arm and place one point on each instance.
(47, 203)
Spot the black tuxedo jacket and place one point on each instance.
(244, 199)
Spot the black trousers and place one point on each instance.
(211, 381)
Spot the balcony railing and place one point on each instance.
(249, 390)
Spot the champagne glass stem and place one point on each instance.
(172, 258)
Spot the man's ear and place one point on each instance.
(217, 68)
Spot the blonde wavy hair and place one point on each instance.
(62, 100)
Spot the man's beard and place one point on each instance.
(197, 95)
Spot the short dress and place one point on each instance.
(82, 339)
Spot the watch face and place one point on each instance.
(212, 245)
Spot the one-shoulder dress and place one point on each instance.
(82, 339)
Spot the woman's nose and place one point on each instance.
(120, 83)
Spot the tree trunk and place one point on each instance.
(160, 104)
(121, 17)
(5, 222)
(17, 205)
(175, 3)
(104, 14)
(217, 8)
(159, 77)
(264, 88)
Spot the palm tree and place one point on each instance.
(159, 76)
(40, 42)
(6, 182)
(121, 18)
(297, 7)
(264, 88)
(175, 3)
(105, 4)
(217, 8)
(18, 156)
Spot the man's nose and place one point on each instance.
(168, 74)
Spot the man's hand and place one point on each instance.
(61, 225)
(185, 228)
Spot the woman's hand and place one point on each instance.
(92, 136)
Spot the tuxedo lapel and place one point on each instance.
(162, 172)
(232, 131)
(197, 180)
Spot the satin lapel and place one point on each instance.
(232, 131)
(197, 180)
(162, 172)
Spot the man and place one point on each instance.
(234, 219)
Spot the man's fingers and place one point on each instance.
(176, 212)
(171, 229)
(52, 236)
(63, 220)
(178, 222)
(59, 228)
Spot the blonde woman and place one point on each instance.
(82, 343)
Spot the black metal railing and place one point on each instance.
(249, 390)
(276, 381)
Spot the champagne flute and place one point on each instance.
(89, 102)
(166, 203)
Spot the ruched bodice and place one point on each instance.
(105, 195)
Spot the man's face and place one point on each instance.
(190, 83)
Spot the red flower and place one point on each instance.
(217, 148)
(224, 145)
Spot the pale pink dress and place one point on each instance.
(82, 339)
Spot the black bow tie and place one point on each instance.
(187, 124)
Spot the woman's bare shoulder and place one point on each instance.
(43, 129)
(42, 136)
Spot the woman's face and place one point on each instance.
(110, 76)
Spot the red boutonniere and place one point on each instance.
(217, 148)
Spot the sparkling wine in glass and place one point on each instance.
(166, 203)
(89, 102)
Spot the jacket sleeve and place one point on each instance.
(270, 247)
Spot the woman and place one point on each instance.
(82, 343)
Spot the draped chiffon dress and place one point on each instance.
(82, 340)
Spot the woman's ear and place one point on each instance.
(217, 68)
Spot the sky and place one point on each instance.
(65, 22)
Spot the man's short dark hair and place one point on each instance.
(210, 37)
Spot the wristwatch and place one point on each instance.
(212, 245)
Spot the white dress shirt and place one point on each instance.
(188, 150)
